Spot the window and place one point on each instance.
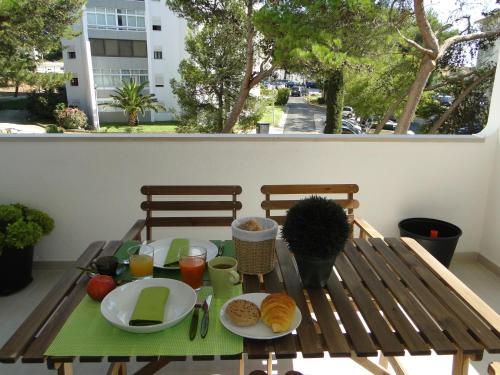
(159, 80)
(116, 19)
(125, 48)
(111, 47)
(106, 79)
(156, 21)
(71, 55)
(74, 81)
(140, 48)
(97, 47)
(158, 54)
(118, 48)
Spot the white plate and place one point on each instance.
(117, 306)
(259, 331)
(162, 246)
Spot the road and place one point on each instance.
(304, 118)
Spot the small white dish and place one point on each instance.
(162, 246)
(118, 305)
(259, 331)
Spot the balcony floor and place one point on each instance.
(14, 309)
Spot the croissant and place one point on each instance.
(278, 311)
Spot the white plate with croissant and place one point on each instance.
(261, 316)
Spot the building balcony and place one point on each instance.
(90, 185)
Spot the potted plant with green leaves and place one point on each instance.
(315, 230)
(20, 229)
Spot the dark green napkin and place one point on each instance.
(150, 306)
(174, 253)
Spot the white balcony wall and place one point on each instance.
(91, 186)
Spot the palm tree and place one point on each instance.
(130, 98)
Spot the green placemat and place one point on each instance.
(122, 254)
(87, 333)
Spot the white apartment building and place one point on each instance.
(120, 40)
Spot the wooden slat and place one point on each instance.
(284, 347)
(481, 307)
(480, 330)
(334, 338)
(35, 352)
(216, 221)
(439, 312)
(361, 341)
(310, 189)
(255, 349)
(191, 205)
(286, 204)
(309, 341)
(366, 227)
(191, 189)
(134, 233)
(439, 341)
(414, 342)
(389, 343)
(15, 346)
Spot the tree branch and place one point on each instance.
(465, 38)
(430, 40)
(417, 46)
(463, 94)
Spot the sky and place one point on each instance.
(446, 8)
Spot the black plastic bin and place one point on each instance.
(263, 127)
(441, 247)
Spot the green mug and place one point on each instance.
(223, 276)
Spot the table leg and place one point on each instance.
(117, 368)
(383, 361)
(242, 365)
(64, 368)
(153, 367)
(370, 366)
(460, 364)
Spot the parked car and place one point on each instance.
(353, 123)
(296, 91)
(348, 112)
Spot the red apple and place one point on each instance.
(99, 286)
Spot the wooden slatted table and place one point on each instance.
(385, 296)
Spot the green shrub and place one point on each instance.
(22, 227)
(22, 234)
(282, 97)
(9, 214)
(70, 118)
(53, 129)
(42, 105)
(41, 218)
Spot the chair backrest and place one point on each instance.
(348, 202)
(154, 205)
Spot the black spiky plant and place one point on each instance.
(315, 227)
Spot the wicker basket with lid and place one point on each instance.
(255, 250)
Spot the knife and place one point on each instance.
(193, 327)
(204, 321)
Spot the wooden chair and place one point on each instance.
(347, 202)
(153, 205)
(494, 368)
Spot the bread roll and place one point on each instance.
(278, 311)
(243, 313)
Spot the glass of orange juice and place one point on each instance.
(192, 264)
(141, 260)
